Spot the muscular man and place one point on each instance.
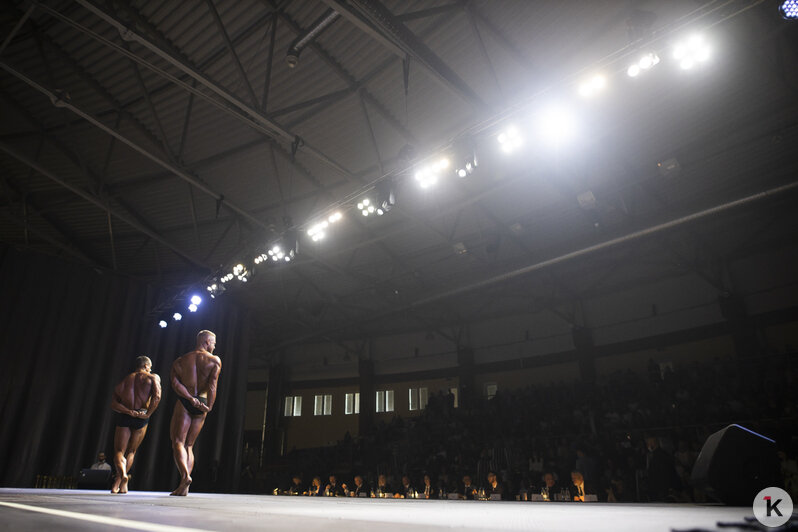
(194, 377)
(134, 401)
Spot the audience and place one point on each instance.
(627, 439)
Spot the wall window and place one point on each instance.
(385, 401)
(322, 405)
(418, 398)
(490, 389)
(293, 406)
(352, 403)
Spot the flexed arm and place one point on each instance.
(213, 380)
(178, 386)
(117, 406)
(155, 395)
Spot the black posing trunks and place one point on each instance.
(190, 407)
(133, 423)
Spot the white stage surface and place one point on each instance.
(28, 509)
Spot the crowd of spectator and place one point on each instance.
(628, 438)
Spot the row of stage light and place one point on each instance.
(553, 126)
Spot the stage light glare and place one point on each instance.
(380, 212)
(177, 316)
(592, 86)
(364, 212)
(192, 308)
(287, 258)
(366, 202)
(462, 172)
(556, 124)
(633, 71)
(510, 139)
(789, 9)
(196, 299)
(162, 324)
(443, 164)
(371, 209)
(360, 206)
(691, 51)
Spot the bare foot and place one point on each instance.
(123, 485)
(115, 485)
(182, 488)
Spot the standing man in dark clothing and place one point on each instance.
(194, 379)
(661, 472)
(134, 401)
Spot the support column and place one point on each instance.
(367, 391)
(583, 342)
(273, 434)
(468, 392)
(743, 329)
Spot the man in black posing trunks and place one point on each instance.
(134, 401)
(194, 378)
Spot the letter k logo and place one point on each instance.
(772, 507)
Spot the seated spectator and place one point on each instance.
(360, 489)
(296, 485)
(101, 463)
(382, 486)
(315, 487)
(468, 491)
(429, 491)
(333, 489)
(550, 486)
(494, 486)
(579, 489)
(406, 491)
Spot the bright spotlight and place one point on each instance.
(510, 139)
(691, 52)
(591, 87)
(428, 175)
(192, 308)
(789, 9)
(647, 61)
(162, 324)
(556, 125)
(177, 316)
(196, 300)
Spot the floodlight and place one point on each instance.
(510, 139)
(556, 124)
(592, 86)
(177, 316)
(789, 9)
(691, 51)
(192, 308)
(195, 299)
(645, 62)
(162, 324)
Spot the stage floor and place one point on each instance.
(28, 509)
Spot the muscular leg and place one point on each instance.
(193, 431)
(121, 439)
(136, 437)
(178, 431)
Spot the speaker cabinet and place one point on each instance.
(735, 464)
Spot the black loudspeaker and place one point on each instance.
(735, 464)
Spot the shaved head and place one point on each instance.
(206, 340)
(142, 362)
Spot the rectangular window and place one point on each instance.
(293, 406)
(418, 398)
(490, 389)
(352, 403)
(322, 405)
(384, 401)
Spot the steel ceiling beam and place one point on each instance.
(98, 202)
(179, 172)
(377, 21)
(167, 52)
